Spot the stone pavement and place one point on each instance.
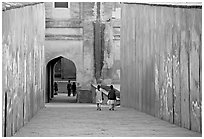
(63, 119)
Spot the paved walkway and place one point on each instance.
(62, 119)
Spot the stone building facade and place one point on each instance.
(88, 34)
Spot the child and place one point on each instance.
(111, 98)
(99, 97)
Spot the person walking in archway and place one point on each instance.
(55, 88)
(111, 98)
(99, 97)
(74, 88)
(69, 88)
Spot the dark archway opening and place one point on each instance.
(59, 70)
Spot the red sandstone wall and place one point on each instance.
(161, 62)
(23, 74)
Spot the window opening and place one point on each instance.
(61, 4)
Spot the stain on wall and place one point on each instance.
(23, 78)
(110, 18)
(161, 62)
(98, 48)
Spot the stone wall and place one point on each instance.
(161, 62)
(110, 20)
(110, 16)
(72, 38)
(88, 35)
(88, 16)
(23, 78)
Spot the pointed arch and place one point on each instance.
(50, 72)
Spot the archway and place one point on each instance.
(59, 70)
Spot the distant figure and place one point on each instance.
(74, 88)
(69, 88)
(55, 88)
(99, 97)
(111, 98)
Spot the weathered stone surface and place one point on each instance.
(50, 23)
(89, 11)
(88, 58)
(64, 31)
(110, 16)
(23, 64)
(14, 5)
(73, 38)
(167, 39)
(75, 10)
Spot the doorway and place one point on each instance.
(59, 71)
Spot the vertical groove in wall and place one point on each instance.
(159, 75)
(13, 121)
(121, 57)
(173, 103)
(200, 81)
(98, 43)
(102, 28)
(23, 112)
(189, 78)
(179, 55)
(135, 65)
(98, 17)
(5, 114)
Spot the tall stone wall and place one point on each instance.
(110, 18)
(75, 37)
(72, 38)
(23, 69)
(87, 13)
(161, 62)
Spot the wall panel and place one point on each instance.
(194, 68)
(23, 64)
(176, 44)
(166, 64)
